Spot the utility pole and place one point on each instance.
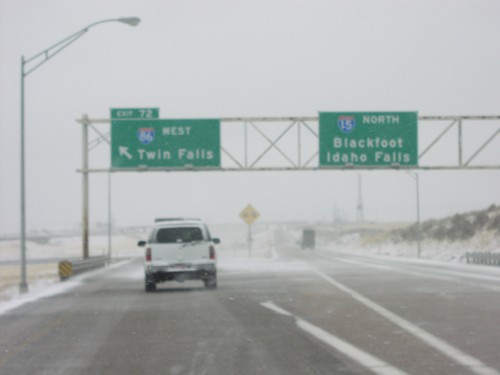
(359, 211)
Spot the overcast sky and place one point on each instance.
(212, 59)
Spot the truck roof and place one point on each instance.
(178, 223)
(167, 219)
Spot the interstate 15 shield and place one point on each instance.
(346, 124)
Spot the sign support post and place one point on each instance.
(110, 223)
(250, 239)
(249, 216)
(419, 231)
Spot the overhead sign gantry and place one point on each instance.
(141, 142)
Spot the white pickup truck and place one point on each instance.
(179, 250)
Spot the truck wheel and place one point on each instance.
(149, 285)
(211, 283)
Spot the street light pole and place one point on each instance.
(44, 56)
(23, 286)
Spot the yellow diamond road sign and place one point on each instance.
(249, 215)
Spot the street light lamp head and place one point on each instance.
(132, 21)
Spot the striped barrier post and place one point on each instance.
(70, 268)
(65, 270)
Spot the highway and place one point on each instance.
(301, 312)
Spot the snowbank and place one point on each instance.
(381, 242)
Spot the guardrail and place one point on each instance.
(489, 259)
(70, 268)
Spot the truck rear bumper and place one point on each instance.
(168, 273)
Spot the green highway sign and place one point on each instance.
(165, 143)
(368, 139)
(138, 113)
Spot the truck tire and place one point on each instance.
(211, 283)
(149, 284)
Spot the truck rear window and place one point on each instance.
(184, 234)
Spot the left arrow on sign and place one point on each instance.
(124, 151)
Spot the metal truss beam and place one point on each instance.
(306, 135)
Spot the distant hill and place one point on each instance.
(459, 227)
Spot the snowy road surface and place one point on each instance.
(296, 312)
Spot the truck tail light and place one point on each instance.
(211, 251)
(148, 254)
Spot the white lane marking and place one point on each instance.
(271, 306)
(414, 273)
(473, 364)
(365, 359)
(475, 270)
(464, 274)
(389, 268)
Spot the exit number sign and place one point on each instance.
(130, 113)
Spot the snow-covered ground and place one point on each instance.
(41, 275)
(429, 249)
(71, 247)
(380, 243)
(45, 288)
